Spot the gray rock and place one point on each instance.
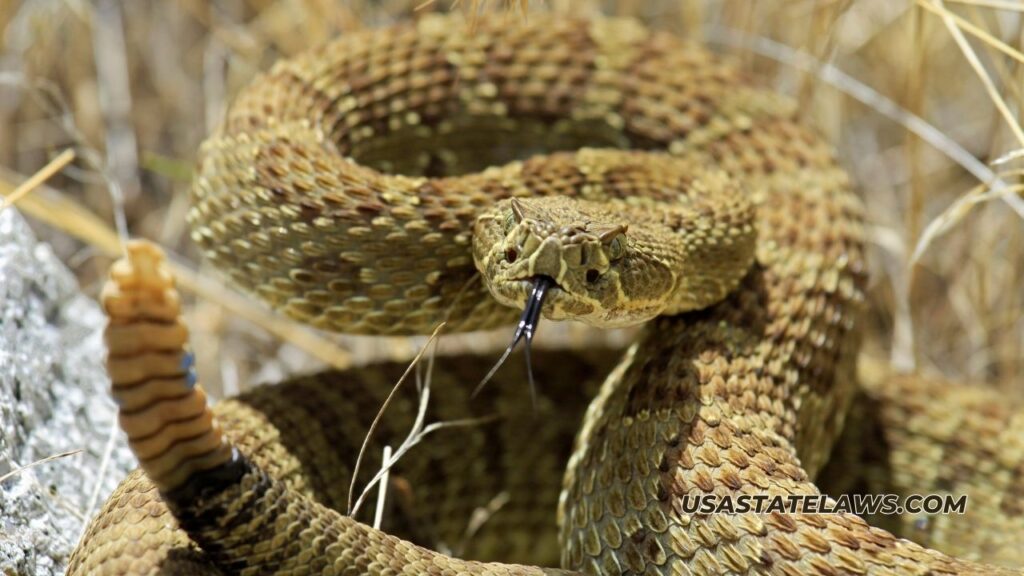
(53, 399)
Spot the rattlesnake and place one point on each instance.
(741, 395)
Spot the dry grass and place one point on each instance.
(133, 87)
(39, 462)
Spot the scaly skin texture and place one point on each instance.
(910, 435)
(650, 234)
(306, 434)
(746, 396)
(340, 245)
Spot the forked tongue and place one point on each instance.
(526, 328)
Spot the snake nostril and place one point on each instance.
(593, 275)
(511, 255)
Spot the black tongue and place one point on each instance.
(526, 329)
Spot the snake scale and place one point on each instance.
(397, 178)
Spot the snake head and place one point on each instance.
(579, 245)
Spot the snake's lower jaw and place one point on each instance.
(514, 293)
(561, 305)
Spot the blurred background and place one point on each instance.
(922, 100)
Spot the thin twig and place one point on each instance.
(380, 414)
(479, 518)
(50, 99)
(382, 491)
(956, 212)
(108, 451)
(986, 80)
(37, 179)
(113, 84)
(1009, 157)
(884, 105)
(973, 30)
(418, 431)
(21, 469)
(1013, 5)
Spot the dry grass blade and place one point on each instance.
(380, 413)
(902, 354)
(1009, 157)
(108, 451)
(37, 179)
(382, 492)
(869, 96)
(113, 82)
(973, 30)
(479, 518)
(979, 195)
(417, 433)
(235, 39)
(67, 215)
(986, 80)
(1012, 5)
(21, 469)
(957, 212)
(49, 97)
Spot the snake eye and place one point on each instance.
(510, 222)
(617, 247)
(614, 237)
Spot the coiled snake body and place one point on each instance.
(741, 385)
